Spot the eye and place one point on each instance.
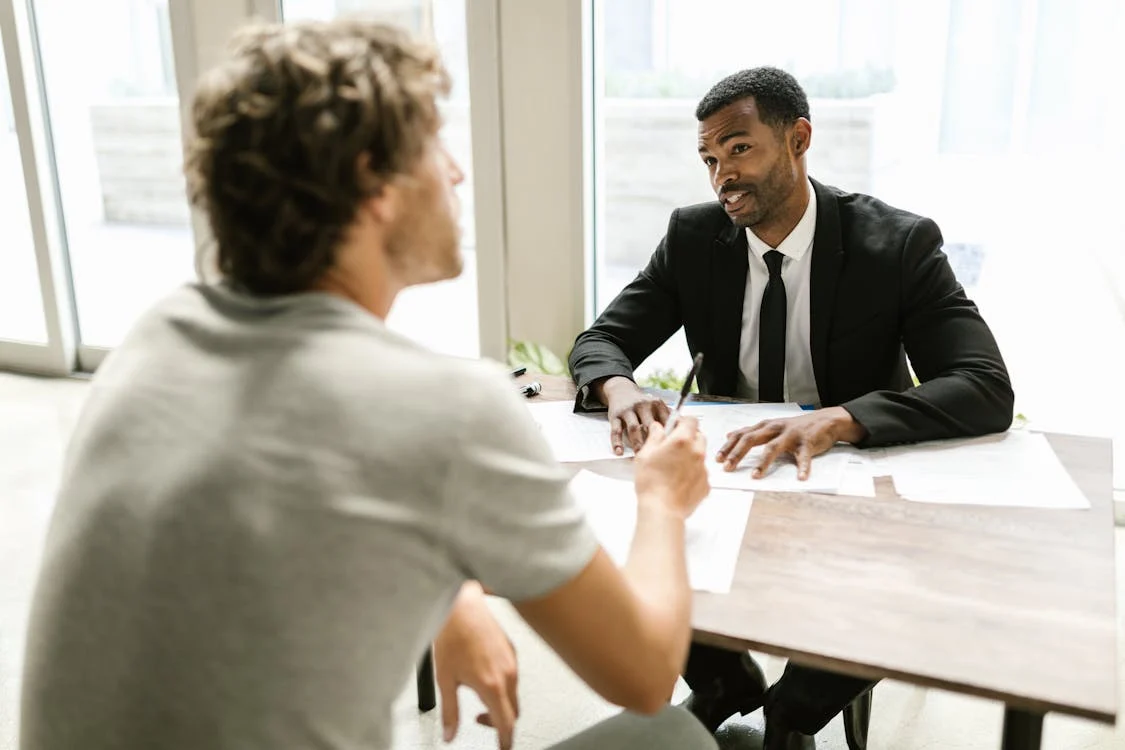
(709, 160)
(740, 148)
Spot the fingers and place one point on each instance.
(804, 461)
(615, 438)
(646, 411)
(741, 442)
(450, 710)
(662, 412)
(501, 714)
(773, 449)
(633, 432)
(686, 427)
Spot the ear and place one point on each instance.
(384, 202)
(800, 136)
(384, 206)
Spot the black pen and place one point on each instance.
(695, 365)
(518, 371)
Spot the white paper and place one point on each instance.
(717, 420)
(1013, 469)
(574, 437)
(858, 479)
(713, 534)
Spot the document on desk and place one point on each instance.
(1013, 469)
(574, 437)
(717, 420)
(713, 534)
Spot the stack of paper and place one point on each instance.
(585, 437)
(1010, 469)
(713, 533)
(574, 438)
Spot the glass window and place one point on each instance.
(442, 316)
(21, 302)
(115, 125)
(997, 121)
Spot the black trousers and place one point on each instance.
(803, 700)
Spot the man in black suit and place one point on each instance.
(795, 291)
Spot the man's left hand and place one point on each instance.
(802, 437)
(472, 650)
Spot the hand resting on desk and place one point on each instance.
(803, 437)
(631, 412)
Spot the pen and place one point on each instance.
(518, 371)
(531, 389)
(695, 365)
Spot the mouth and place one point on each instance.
(735, 201)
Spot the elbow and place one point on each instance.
(648, 691)
(648, 699)
(1000, 417)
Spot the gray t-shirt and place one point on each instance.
(267, 509)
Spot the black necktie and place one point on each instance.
(771, 334)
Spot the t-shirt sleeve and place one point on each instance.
(511, 521)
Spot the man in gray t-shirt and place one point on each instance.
(272, 504)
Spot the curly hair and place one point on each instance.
(300, 124)
(778, 96)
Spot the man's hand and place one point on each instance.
(631, 412)
(472, 650)
(802, 437)
(671, 467)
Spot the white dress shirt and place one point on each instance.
(796, 270)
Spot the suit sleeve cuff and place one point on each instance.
(585, 401)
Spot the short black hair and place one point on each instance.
(780, 99)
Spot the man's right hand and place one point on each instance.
(631, 412)
(671, 467)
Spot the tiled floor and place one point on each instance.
(36, 417)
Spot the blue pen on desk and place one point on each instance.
(695, 365)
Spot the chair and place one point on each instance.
(857, 720)
(857, 715)
(427, 695)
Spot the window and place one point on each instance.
(997, 121)
(442, 316)
(115, 127)
(21, 305)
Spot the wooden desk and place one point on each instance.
(1012, 604)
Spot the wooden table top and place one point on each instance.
(1013, 604)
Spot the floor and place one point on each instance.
(37, 415)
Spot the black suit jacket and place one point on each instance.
(881, 290)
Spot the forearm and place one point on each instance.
(594, 361)
(656, 569)
(955, 405)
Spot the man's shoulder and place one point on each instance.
(707, 218)
(861, 212)
(869, 224)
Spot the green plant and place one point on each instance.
(535, 357)
(667, 380)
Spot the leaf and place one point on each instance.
(666, 380)
(535, 357)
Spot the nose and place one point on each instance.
(456, 176)
(725, 174)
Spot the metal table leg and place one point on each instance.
(1023, 730)
(427, 697)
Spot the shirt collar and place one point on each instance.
(797, 242)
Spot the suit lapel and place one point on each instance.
(827, 262)
(728, 280)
